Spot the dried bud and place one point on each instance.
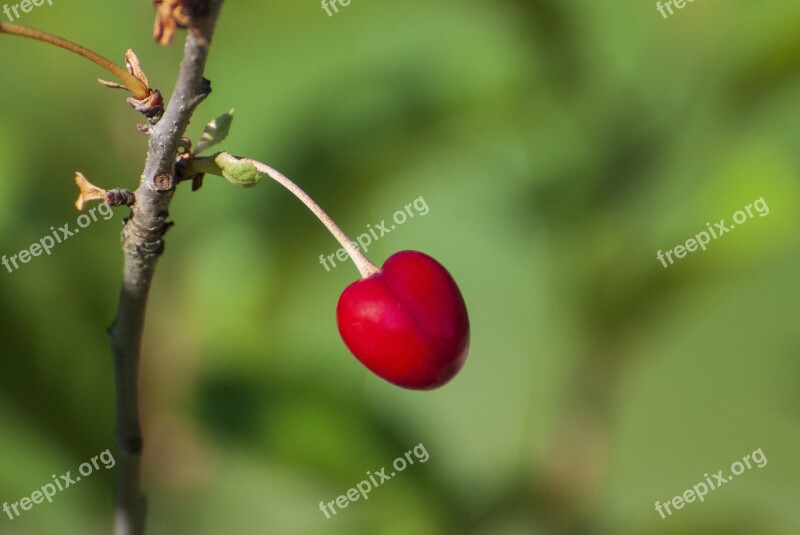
(170, 15)
(152, 107)
(134, 67)
(120, 197)
(197, 181)
(88, 192)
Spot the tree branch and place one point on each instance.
(142, 241)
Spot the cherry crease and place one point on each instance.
(408, 323)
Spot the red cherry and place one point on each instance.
(407, 323)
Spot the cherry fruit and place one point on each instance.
(407, 323)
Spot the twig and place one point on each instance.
(138, 88)
(142, 245)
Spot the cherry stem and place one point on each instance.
(363, 264)
(134, 85)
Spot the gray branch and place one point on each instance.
(142, 241)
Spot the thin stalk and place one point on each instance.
(139, 90)
(364, 266)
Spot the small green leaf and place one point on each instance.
(237, 172)
(215, 132)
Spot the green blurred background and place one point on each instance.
(559, 146)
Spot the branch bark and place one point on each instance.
(142, 243)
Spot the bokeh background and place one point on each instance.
(559, 146)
